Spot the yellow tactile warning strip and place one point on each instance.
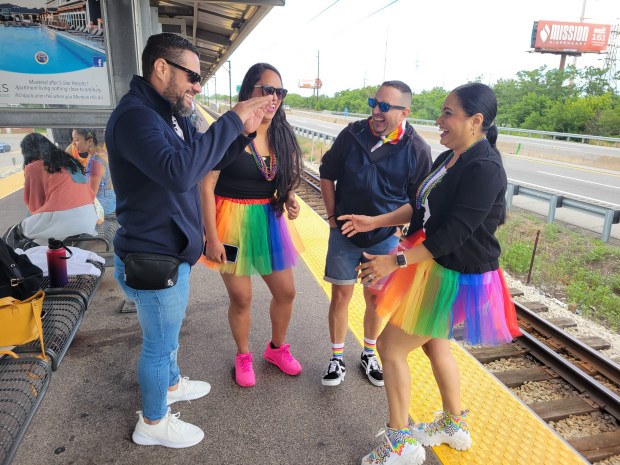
(11, 184)
(504, 431)
(206, 115)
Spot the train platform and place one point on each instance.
(87, 415)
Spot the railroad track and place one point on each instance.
(310, 191)
(583, 385)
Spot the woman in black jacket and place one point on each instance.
(445, 273)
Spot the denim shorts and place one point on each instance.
(343, 256)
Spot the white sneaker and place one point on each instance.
(169, 432)
(188, 390)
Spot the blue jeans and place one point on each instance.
(107, 199)
(160, 314)
(343, 256)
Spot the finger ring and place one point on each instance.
(370, 277)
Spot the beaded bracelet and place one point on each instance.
(207, 243)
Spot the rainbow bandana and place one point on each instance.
(392, 138)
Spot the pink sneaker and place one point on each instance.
(282, 358)
(244, 373)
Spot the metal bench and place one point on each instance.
(62, 315)
(23, 383)
(83, 285)
(105, 234)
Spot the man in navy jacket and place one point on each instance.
(157, 159)
(373, 167)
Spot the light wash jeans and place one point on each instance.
(107, 199)
(160, 314)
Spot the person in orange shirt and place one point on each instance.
(56, 192)
(95, 160)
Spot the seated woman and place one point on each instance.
(86, 146)
(56, 192)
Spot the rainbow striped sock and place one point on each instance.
(338, 351)
(369, 346)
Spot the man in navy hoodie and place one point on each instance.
(156, 160)
(373, 167)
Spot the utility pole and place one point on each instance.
(316, 84)
(583, 14)
(229, 84)
(387, 33)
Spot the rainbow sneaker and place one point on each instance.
(399, 448)
(445, 429)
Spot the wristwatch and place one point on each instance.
(401, 260)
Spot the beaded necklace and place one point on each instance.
(435, 177)
(269, 173)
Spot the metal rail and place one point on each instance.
(312, 181)
(557, 199)
(595, 359)
(605, 397)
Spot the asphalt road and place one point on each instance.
(6, 158)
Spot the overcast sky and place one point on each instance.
(424, 43)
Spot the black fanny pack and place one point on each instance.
(150, 272)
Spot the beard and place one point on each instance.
(178, 102)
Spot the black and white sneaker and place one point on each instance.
(373, 370)
(334, 375)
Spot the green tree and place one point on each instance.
(427, 104)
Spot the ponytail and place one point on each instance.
(492, 135)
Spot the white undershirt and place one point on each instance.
(177, 128)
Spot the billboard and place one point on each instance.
(53, 55)
(560, 36)
(310, 84)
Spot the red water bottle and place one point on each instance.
(57, 262)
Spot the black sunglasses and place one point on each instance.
(269, 90)
(192, 76)
(383, 107)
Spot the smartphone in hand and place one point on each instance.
(231, 252)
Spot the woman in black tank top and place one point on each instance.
(247, 231)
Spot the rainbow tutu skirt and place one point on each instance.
(427, 299)
(266, 242)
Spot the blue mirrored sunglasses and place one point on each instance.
(383, 107)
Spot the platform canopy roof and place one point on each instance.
(217, 28)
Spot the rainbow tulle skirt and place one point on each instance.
(266, 242)
(427, 299)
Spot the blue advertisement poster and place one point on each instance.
(53, 53)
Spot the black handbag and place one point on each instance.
(19, 278)
(149, 271)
